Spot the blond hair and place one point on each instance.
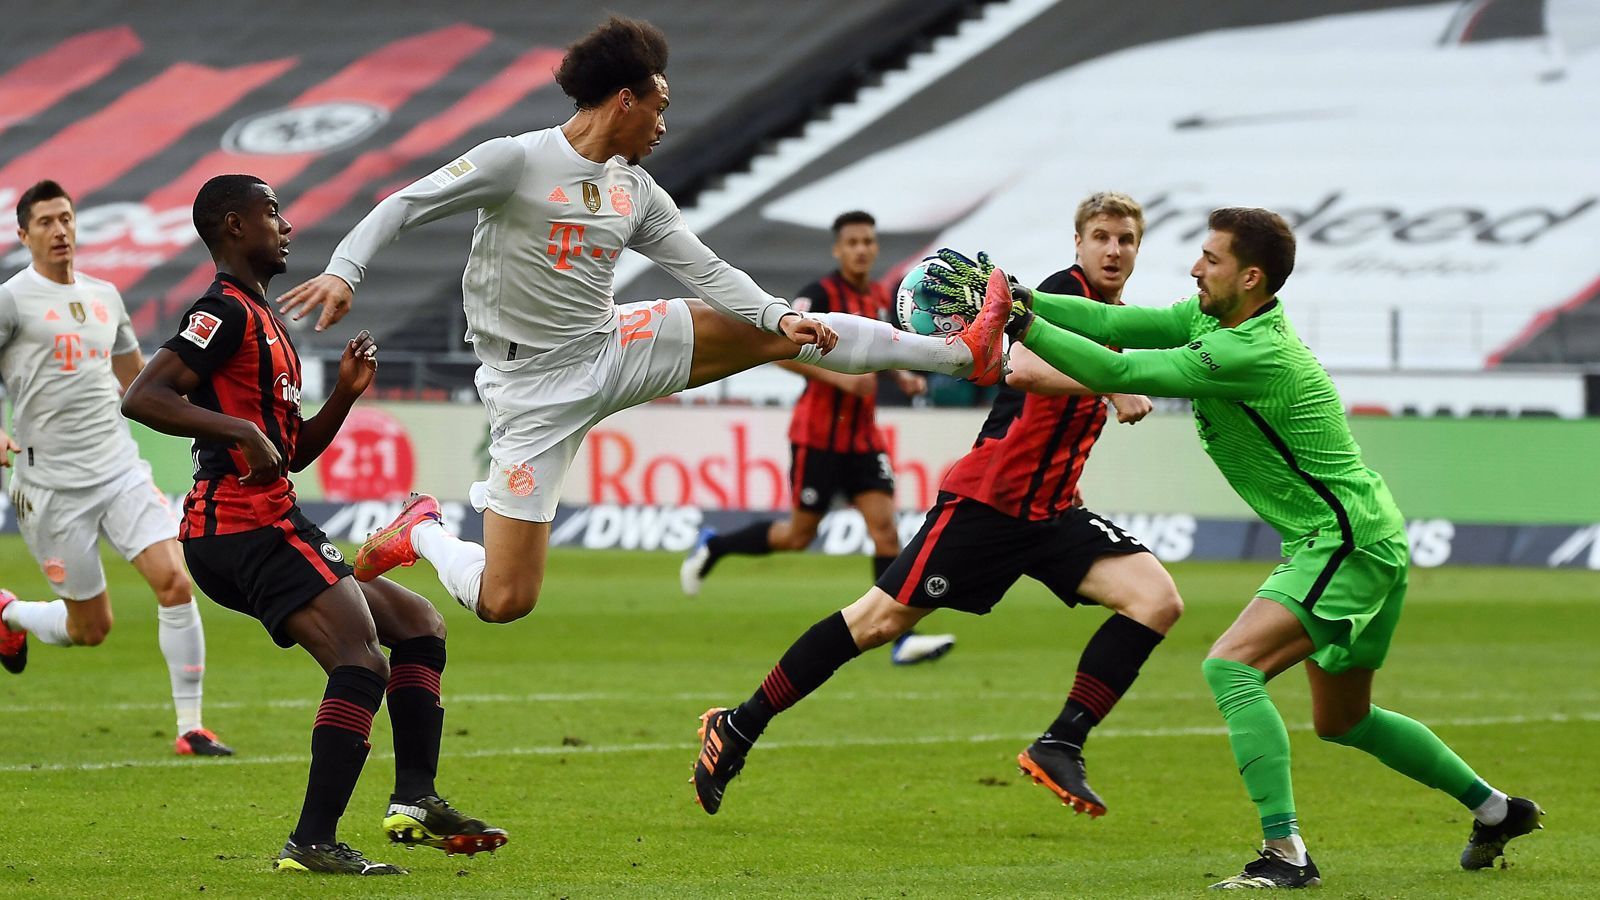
(1110, 203)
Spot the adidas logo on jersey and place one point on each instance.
(558, 196)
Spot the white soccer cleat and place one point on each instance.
(691, 575)
(912, 648)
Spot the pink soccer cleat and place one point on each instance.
(13, 641)
(391, 546)
(985, 336)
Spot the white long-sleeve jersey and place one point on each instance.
(539, 277)
(56, 344)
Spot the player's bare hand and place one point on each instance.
(263, 459)
(803, 330)
(329, 292)
(7, 447)
(358, 364)
(1131, 407)
(911, 384)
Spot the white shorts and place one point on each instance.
(539, 417)
(62, 527)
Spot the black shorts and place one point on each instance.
(816, 476)
(967, 555)
(269, 572)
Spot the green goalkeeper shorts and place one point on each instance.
(1349, 602)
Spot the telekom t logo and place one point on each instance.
(69, 349)
(570, 237)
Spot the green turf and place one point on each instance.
(574, 730)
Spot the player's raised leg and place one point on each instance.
(728, 734)
(724, 345)
(415, 633)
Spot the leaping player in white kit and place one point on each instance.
(65, 344)
(555, 207)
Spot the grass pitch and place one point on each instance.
(574, 729)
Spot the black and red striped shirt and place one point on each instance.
(1031, 449)
(248, 369)
(826, 418)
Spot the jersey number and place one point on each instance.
(635, 323)
(1113, 533)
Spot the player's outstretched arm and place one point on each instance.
(156, 399)
(357, 366)
(486, 176)
(1221, 364)
(1129, 327)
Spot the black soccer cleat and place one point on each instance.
(1269, 870)
(332, 859)
(721, 757)
(1060, 768)
(13, 641)
(1488, 842)
(432, 822)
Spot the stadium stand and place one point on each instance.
(340, 105)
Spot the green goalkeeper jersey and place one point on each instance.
(1266, 410)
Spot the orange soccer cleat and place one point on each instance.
(391, 546)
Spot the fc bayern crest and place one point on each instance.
(620, 201)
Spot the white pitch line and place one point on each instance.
(689, 747)
(1135, 696)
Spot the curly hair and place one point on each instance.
(621, 53)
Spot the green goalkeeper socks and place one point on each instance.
(1410, 748)
(1260, 742)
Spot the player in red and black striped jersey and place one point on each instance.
(836, 448)
(1009, 508)
(251, 549)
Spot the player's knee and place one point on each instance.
(876, 629)
(175, 589)
(92, 635)
(885, 540)
(506, 605)
(1155, 605)
(794, 539)
(367, 655)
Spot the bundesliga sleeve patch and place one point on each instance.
(201, 329)
(452, 172)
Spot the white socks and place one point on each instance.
(1291, 848)
(46, 620)
(1493, 810)
(459, 563)
(183, 643)
(868, 345)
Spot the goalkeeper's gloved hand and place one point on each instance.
(1021, 318)
(963, 275)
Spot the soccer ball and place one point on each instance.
(923, 312)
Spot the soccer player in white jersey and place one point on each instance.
(554, 209)
(66, 343)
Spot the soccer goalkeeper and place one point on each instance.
(1271, 420)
